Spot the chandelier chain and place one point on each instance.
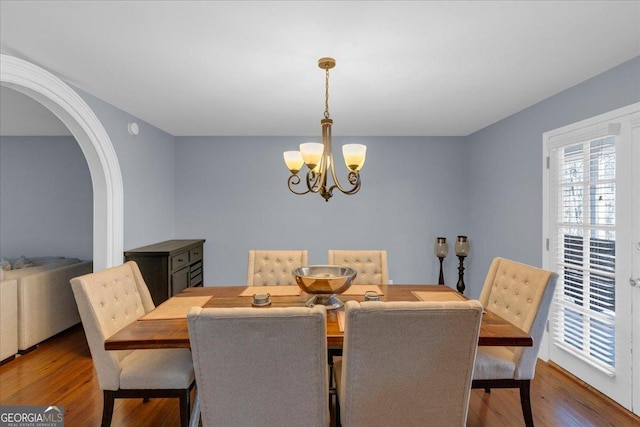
(326, 94)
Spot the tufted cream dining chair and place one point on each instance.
(261, 367)
(108, 301)
(522, 295)
(407, 363)
(371, 265)
(273, 267)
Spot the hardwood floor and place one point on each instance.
(60, 372)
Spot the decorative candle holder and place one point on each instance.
(462, 250)
(441, 249)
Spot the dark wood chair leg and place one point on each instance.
(185, 411)
(487, 390)
(338, 422)
(145, 399)
(331, 396)
(525, 401)
(332, 386)
(184, 396)
(107, 408)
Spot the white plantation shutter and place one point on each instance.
(583, 245)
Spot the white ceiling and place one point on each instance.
(250, 67)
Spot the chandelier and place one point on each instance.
(319, 157)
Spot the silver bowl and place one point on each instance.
(325, 283)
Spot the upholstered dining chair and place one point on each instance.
(371, 265)
(260, 367)
(274, 267)
(107, 301)
(407, 363)
(522, 295)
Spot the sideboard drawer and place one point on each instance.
(195, 254)
(179, 261)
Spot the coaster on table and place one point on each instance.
(361, 289)
(274, 291)
(176, 308)
(438, 296)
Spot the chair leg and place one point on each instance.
(185, 410)
(487, 390)
(107, 408)
(338, 422)
(525, 401)
(194, 420)
(332, 386)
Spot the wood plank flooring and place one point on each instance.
(60, 372)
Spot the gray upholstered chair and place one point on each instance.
(521, 294)
(260, 367)
(273, 267)
(108, 301)
(371, 265)
(407, 363)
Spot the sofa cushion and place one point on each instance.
(22, 262)
(40, 265)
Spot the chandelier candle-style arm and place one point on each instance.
(318, 158)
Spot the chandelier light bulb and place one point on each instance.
(293, 160)
(354, 155)
(311, 153)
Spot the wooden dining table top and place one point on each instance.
(174, 333)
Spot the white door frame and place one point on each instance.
(635, 149)
(106, 177)
(631, 114)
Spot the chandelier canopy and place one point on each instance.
(318, 158)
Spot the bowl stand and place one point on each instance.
(331, 302)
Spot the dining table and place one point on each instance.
(166, 325)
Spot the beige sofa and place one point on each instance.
(45, 303)
(8, 318)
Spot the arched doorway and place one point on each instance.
(73, 111)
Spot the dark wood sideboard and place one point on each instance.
(169, 267)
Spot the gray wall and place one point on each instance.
(232, 191)
(147, 162)
(505, 169)
(46, 206)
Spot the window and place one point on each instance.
(583, 181)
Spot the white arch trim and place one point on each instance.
(106, 177)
